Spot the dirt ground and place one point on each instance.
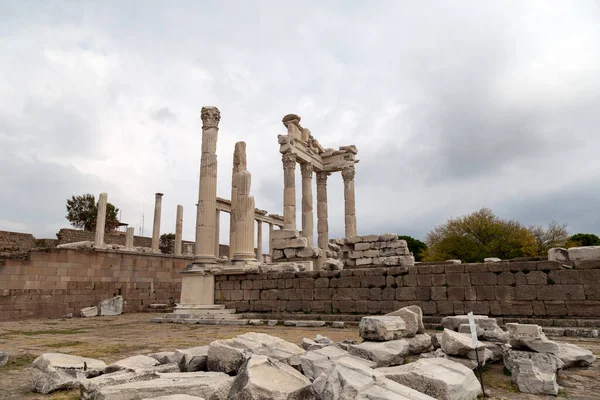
(114, 338)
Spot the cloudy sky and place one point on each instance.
(452, 105)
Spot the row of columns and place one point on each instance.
(289, 201)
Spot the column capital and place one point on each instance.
(348, 173)
(306, 169)
(210, 117)
(322, 178)
(289, 160)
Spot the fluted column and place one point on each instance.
(101, 220)
(289, 191)
(259, 249)
(239, 163)
(307, 203)
(217, 233)
(271, 240)
(207, 192)
(129, 238)
(156, 224)
(322, 213)
(349, 201)
(178, 229)
(244, 218)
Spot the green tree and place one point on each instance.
(584, 239)
(416, 246)
(82, 212)
(546, 238)
(166, 243)
(481, 234)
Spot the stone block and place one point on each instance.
(537, 278)
(438, 280)
(558, 254)
(363, 261)
(505, 293)
(424, 280)
(483, 279)
(422, 293)
(456, 293)
(438, 293)
(570, 277)
(485, 293)
(362, 246)
(526, 292)
(405, 293)
(584, 253)
(290, 243)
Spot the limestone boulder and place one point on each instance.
(112, 306)
(572, 356)
(383, 354)
(350, 379)
(133, 363)
(439, 353)
(458, 344)
(193, 359)
(382, 328)
(263, 378)
(90, 388)
(166, 357)
(436, 340)
(207, 385)
(413, 318)
(331, 264)
(558, 254)
(228, 355)
(3, 358)
(420, 343)
(584, 253)
(316, 362)
(529, 378)
(87, 312)
(439, 378)
(56, 371)
(454, 321)
(530, 337)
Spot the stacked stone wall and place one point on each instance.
(371, 251)
(66, 235)
(523, 289)
(55, 282)
(16, 241)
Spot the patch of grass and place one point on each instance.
(18, 362)
(506, 371)
(65, 344)
(51, 323)
(110, 351)
(70, 395)
(562, 393)
(73, 331)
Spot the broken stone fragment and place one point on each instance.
(413, 318)
(316, 362)
(383, 354)
(382, 328)
(439, 378)
(458, 344)
(575, 356)
(193, 359)
(56, 371)
(89, 311)
(112, 306)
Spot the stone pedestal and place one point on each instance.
(307, 203)
(349, 202)
(178, 230)
(207, 196)
(156, 225)
(100, 221)
(197, 288)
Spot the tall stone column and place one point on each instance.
(307, 203)
(178, 230)
(239, 164)
(289, 191)
(207, 192)
(349, 201)
(217, 233)
(271, 240)
(156, 225)
(100, 221)
(259, 249)
(244, 218)
(322, 213)
(129, 238)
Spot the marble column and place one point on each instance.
(349, 201)
(322, 213)
(207, 191)
(259, 249)
(156, 224)
(178, 229)
(217, 233)
(239, 163)
(289, 191)
(100, 220)
(244, 218)
(129, 238)
(307, 203)
(271, 240)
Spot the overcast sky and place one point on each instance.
(453, 106)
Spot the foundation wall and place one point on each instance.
(16, 241)
(55, 282)
(523, 289)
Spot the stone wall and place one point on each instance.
(524, 289)
(55, 282)
(15, 241)
(66, 235)
(371, 251)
